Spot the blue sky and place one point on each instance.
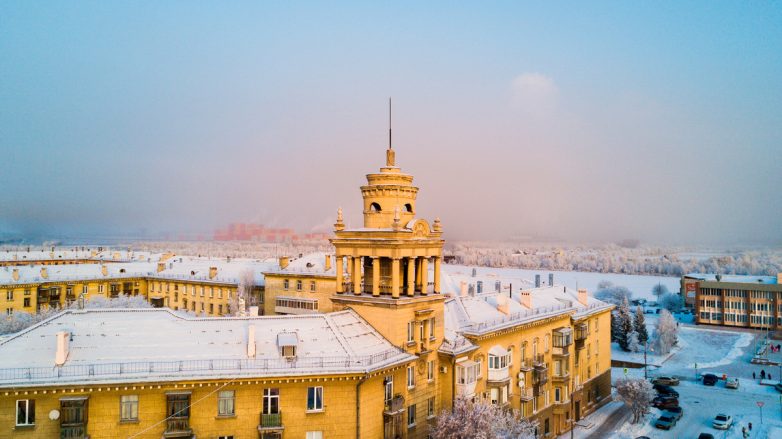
(592, 121)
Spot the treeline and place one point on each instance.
(612, 258)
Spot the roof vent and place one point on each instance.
(63, 341)
(582, 296)
(251, 341)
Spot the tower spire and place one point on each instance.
(390, 155)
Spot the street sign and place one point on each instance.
(760, 403)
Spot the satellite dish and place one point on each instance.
(54, 415)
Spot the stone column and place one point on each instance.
(437, 263)
(340, 279)
(417, 273)
(357, 275)
(410, 276)
(375, 276)
(395, 278)
(424, 275)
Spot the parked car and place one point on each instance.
(778, 386)
(710, 379)
(665, 402)
(665, 390)
(665, 422)
(676, 412)
(666, 381)
(705, 436)
(732, 383)
(722, 421)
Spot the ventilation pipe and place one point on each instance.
(63, 341)
(251, 341)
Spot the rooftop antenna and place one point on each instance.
(389, 123)
(390, 155)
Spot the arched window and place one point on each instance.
(409, 207)
(374, 207)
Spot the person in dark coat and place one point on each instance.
(753, 375)
(750, 426)
(762, 374)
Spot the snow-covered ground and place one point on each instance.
(718, 351)
(641, 286)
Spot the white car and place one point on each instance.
(722, 422)
(732, 383)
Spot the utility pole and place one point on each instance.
(646, 376)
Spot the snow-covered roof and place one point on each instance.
(74, 272)
(64, 255)
(492, 309)
(735, 278)
(135, 345)
(312, 264)
(229, 270)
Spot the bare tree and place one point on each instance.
(244, 296)
(659, 290)
(665, 332)
(670, 301)
(637, 393)
(481, 420)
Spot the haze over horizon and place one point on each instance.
(660, 122)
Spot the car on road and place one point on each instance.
(665, 390)
(705, 436)
(778, 386)
(722, 421)
(665, 402)
(675, 412)
(665, 422)
(666, 381)
(732, 383)
(710, 379)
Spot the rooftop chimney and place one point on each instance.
(537, 281)
(550, 279)
(63, 340)
(582, 296)
(480, 287)
(328, 263)
(44, 273)
(284, 260)
(525, 298)
(15, 274)
(502, 305)
(463, 289)
(104, 270)
(161, 266)
(474, 272)
(251, 341)
(212, 272)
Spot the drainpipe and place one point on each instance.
(358, 405)
(453, 382)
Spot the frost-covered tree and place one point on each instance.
(123, 301)
(639, 326)
(612, 293)
(21, 320)
(632, 342)
(659, 290)
(481, 420)
(616, 326)
(637, 393)
(625, 324)
(670, 301)
(665, 332)
(244, 293)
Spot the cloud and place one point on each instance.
(534, 92)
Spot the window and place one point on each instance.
(298, 285)
(225, 403)
(128, 408)
(411, 416)
(467, 373)
(211, 308)
(202, 291)
(430, 407)
(314, 399)
(25, 412)
(499, 361)
(225, 437)
(389, 389)
(314, 435)
(211, 292)
(9, 295)
(219, 293)
(410, 377)
(557, 394)
(430, 370)
(26, 302)
(431, 327)
(421, 331)
(285, 284)
(9, 311)
(100, 288)
(312, 286)
(83, 290)
(271, 401)
(220, 309)
(410, 332)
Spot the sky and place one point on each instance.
(586, 121)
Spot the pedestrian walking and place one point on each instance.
(769, 376)
(762, 374)
(750, 426)
(753, 375)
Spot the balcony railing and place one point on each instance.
(176, 427)
(561, 351)
(526, 364)
(562, 376)
(498, 375)
(539, 362)
(271, 421)
(466, 390)
(394, 406)
(73, 432)
(526, 394)
(540, 376)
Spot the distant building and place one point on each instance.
(258, 232)
(731, 300)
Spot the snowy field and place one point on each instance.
(641, 286)
(716, 351)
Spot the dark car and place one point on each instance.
(666, 381)
(710, 379)
(665, 402)
(665, 390)
(665, 422)
(676, 412)
(778, 386)
(705, 436)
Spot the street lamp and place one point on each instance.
(646, 343)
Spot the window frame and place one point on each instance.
(29, 414)
(130, 405)
(226, 405)
(315, 399)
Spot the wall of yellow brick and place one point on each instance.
(275, 286)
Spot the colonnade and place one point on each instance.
(417, 274)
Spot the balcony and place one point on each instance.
(540, 377)
(178, 427)
(561, 377)
(526, 394)
(526, 364)
(466, 390)
(561, 352)
(499, 375)
(73, 432)
(395, 406)
(539, 362)
(270, 422)
(582, 333)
